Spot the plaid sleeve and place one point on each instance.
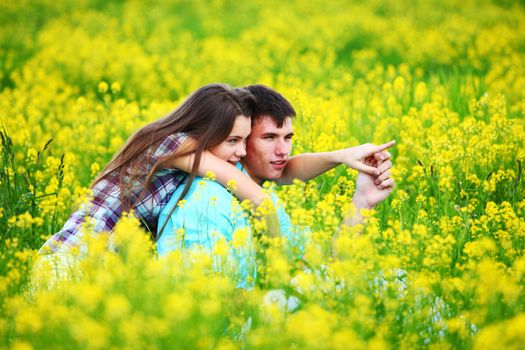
(103, 210)
(169, 145)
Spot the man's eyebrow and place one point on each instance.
(269, 134)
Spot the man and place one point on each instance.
(207, 215)
(270, 144)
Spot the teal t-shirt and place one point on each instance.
(208, 214)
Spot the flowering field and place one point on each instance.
(439, 265)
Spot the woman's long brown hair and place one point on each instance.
(207, 116)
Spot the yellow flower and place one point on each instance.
(115, 87)
(232, 185)
(95, 169)
(21, 345)
(240, 238)
(117, 307)
(103, 87)
(210, 175)
(221, 248)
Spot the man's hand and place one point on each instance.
(366, 157)
(372, 190)
(369, 191)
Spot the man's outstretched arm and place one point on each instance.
(309, 165)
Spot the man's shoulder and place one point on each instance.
(208, 196)
(202, 192)
(212, 188)
(209, 187)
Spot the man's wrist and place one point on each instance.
(361, 203)
(338, 157)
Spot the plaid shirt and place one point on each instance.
(105, 207)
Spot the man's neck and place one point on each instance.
(257, 179)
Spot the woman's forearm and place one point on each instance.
(241, 185)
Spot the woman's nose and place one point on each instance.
(241, 150)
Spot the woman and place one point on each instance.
(142, 176)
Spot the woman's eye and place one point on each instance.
(232, 141)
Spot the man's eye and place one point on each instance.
(268, 137)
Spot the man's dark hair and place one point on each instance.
(271, 103)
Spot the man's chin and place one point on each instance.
(274, 175)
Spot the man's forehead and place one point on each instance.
(267, 123)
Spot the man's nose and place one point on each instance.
(282, 148)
